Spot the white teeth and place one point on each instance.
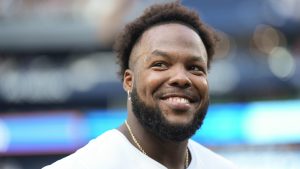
(178, 100)
(182, 100)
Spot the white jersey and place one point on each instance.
(112, 150)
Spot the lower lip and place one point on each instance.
(177, 106)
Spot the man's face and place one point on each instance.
(170, 90)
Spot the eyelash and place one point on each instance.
(195, 66)
(199, 70)
(163, 65)
(158, 64)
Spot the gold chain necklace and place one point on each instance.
(143, 151)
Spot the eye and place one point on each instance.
(159, 65)
(195, 69)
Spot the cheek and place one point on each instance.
(152, 81)
(202, 86)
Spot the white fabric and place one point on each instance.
(112, 150)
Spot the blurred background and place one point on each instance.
(59, 87)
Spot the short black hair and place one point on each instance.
(156, 14)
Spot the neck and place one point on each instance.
(168, 153)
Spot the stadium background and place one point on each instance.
(59, 87)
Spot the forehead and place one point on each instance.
(173, 38)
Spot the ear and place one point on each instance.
(128, 80)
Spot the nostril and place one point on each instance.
(180, 77)
(180, 82)
(187, 85)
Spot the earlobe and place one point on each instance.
(128, 80)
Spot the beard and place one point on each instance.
(153, 120)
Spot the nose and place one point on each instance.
(179, 78)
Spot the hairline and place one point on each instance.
(138, 40)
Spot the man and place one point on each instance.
(164, 57)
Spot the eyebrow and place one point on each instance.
(167, 55)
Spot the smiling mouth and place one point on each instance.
(178, 103)
(178, 100)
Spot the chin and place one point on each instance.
(179, 120)
(167, 122)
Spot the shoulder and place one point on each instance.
(95, 153)
(206, 158)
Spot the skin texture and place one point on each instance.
(168, 61)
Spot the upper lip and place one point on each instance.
(190, 98)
